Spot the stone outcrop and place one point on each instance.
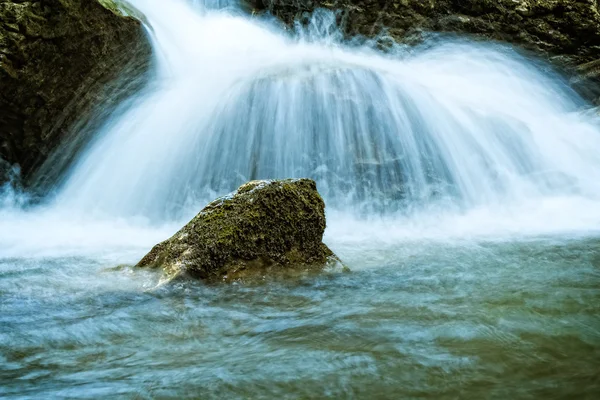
(263, 228)
(59, 60)
(567, 32)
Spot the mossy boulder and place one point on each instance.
(566, 32)
(263, 228)
(59, 59)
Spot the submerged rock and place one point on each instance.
(263, 228)
(59, 60)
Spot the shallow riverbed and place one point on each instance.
(415, 319)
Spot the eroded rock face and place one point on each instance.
(264, 227)
(565, 31)
(5, 170)
(58, 61)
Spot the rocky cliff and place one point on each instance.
(58, 60)
(567, 32)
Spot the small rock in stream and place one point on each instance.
(261, 229)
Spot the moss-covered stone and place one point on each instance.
(59, 60)
(265, 227)
(567, 32)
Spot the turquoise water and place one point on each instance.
(484, 319)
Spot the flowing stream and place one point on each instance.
(462, 184)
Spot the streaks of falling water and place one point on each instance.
(459, 125)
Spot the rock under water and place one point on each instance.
(262, 228)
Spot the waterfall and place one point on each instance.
(462, 186)
(452, 129)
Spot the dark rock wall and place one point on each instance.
(567, 32)
(58, 60)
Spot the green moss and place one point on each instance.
(123, 8)
(59, 59)
(115, 6)
(263, 228)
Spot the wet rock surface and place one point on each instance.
(263, 228)
(5, 170)
(567, 32)
(59, 59)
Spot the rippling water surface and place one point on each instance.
(426, 318)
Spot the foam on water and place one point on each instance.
(449, 140)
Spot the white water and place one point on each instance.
(454, 141)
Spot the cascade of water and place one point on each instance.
(458, 125)
(456, 140)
